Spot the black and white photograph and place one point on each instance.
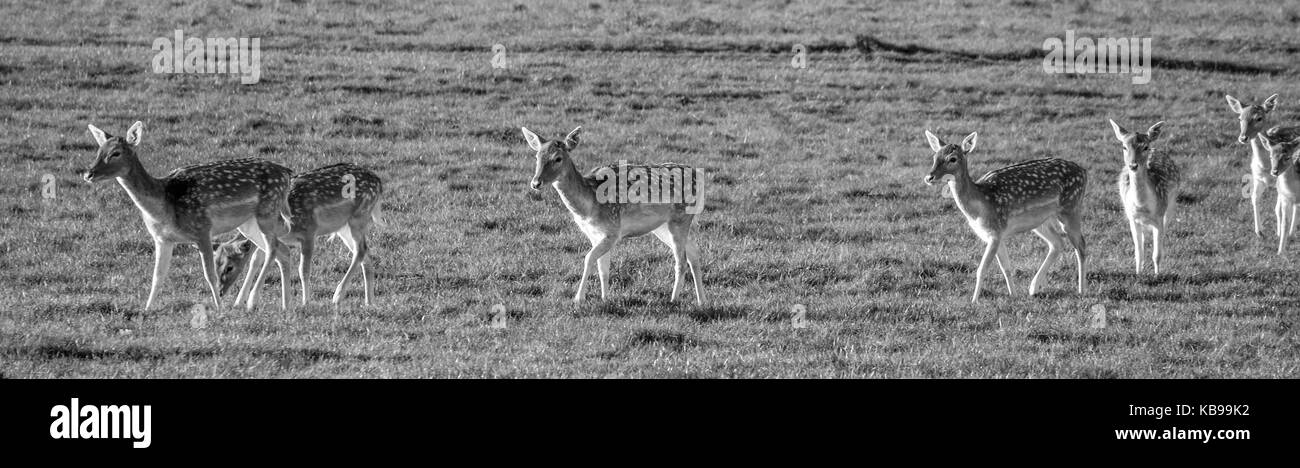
(617, 189)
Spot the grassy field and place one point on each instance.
(815, 194)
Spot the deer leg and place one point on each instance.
(367, 276)
(1277, 214)
(1073, 227)
(598, 249)
(357, 247)
(1054, 244)
(272, 227)
(665, 234)
(1155, 248)
(270, 244)
(248, 275)
(305, 252)
(162, 261)
(1288, 226)
(1291, 224)
(1003, 261)
(1282, 222)
(1139, 244)
(284, 280)
(679, 271)
(360, 228)
(209, 267)
(353, 269)
(367, 279)
(1254, 202)
(253, 233)
(602, 268)
(692, 260)
(990, 252)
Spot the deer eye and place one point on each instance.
(952, 159)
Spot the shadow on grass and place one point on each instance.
(667, 339)
(67, 311)
(714, 313)
(1200, 286)
(633, 306)
(285, 358)
(69, 349)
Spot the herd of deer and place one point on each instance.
(1046, 195)
(273, 208)
(262, 200)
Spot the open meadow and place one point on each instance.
(814, 195)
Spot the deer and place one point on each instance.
(1148, 187)
(340, 201)
(605, 222)
(1254, 119)
(192, 203)
(1042, 195)
(1283, 144)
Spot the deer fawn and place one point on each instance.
(1254, 119)
(194, 202)
(1042, 195)
(342, 200)
(606, 222)
(1283, 143)
(1148, 186)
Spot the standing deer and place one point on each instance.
(1283, 143)
(194, 202)
(342, 200)
(1254, 119)
(1042, 195)
(606, 222)
(1148, 187)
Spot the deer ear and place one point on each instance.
(968, 144)
(1119, 131)
(100, 136)
(1233, 103)
(1270, 103)
(133, 133)
(571, 140)
(533, 142)
(935, 143)
(1154, 131)
(1263, 139)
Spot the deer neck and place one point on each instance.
(1257, 155)
(579, 197)
(970, 199)
(145, 191)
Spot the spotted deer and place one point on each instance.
(1254, 119)
(191, 204)
(1148, 186)
(341, 200)
(1283, 144)
(606, 222)
(1042, 195)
